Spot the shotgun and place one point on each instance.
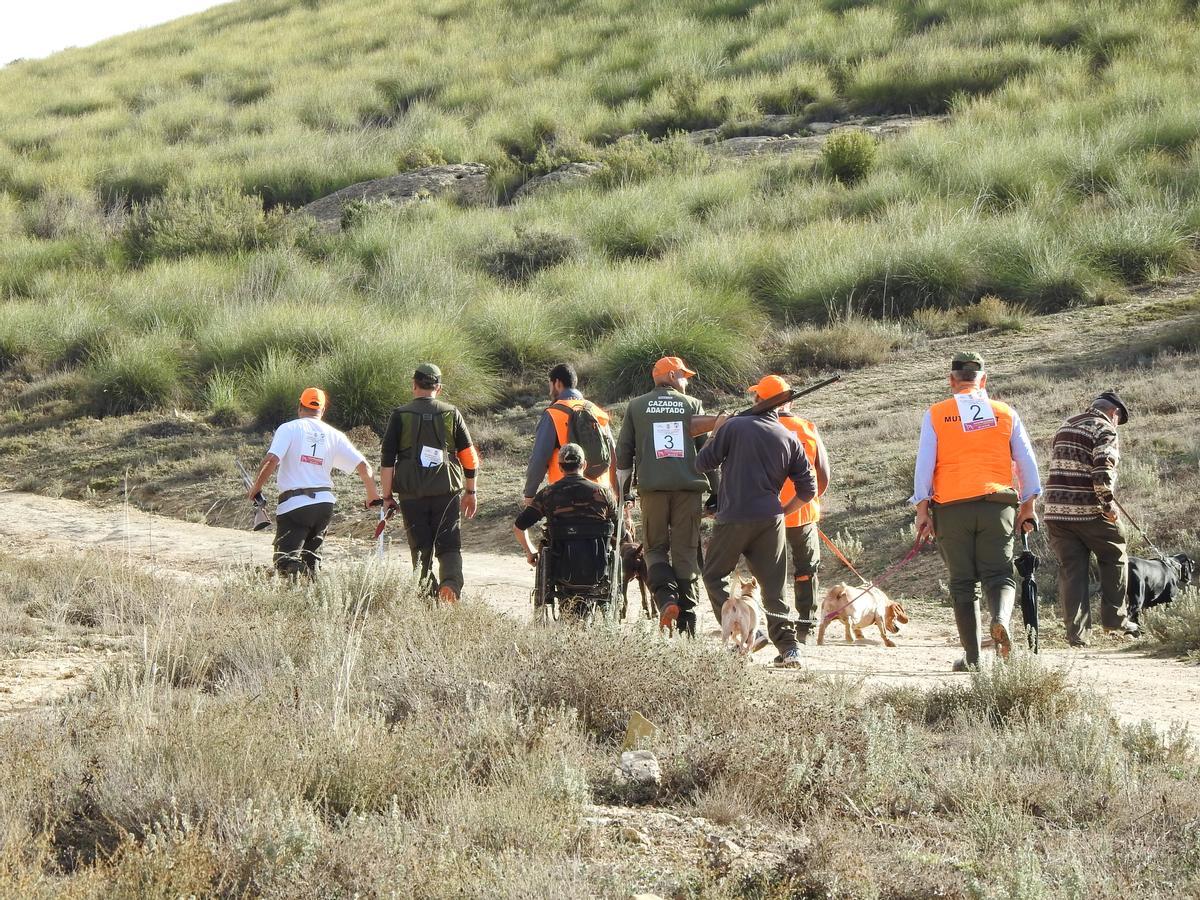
(704, 424)
(261, 518)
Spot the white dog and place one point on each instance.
(859, 607)
(740, 617)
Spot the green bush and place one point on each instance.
(638, 158)
(274, 385)
(222, 401)
(1135, 245)
(529, 251)
(1176, 625)
(519, 332)
(138, 373)
(722, 357)
(181, 223)
(849, 156)
(851, 344)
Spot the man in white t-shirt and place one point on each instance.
(306, 451)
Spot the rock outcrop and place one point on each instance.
(466, 182)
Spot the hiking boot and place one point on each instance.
(790, 659)
(1078, 643)
(447, 594)
(1001, 640)
(669, 617)
(961, 665)
(1125, 629)
(760, 640)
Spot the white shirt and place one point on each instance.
(308, 451)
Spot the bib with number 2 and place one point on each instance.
(668, 440)
(975, 410)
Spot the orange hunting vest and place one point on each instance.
(971, 464)
(806, 432)
(560, 418)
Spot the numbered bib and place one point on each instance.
(432, 457)
(668, 440)
(975, 411)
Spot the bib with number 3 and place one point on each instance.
(668, 440)
(975, 410)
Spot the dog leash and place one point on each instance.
(841, 556)
(1162, 556)
(908, 557)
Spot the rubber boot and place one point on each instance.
(661, 580)
(966, 617)
(689, 596)
(806, 598)
(1000, 601)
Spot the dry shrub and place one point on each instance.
(849, 344)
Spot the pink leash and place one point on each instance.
(908, 557)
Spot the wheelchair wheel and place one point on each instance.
(543, 591)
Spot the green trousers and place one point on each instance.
(763, 545)
(804, 542)
(671, 544)
(975, 539)
(1074, 543)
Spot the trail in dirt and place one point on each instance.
(1138, 685)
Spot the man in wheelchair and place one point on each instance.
(575, 563)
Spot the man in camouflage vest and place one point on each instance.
(570, 500)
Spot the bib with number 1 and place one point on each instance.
(975, 410)
(668, 440)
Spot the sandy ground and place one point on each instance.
(1139, 685)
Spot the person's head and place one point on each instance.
(427, 380)
(571, 458)
(671, 371)
(966, 372)
(312, 403)
(1112, 406)
(563, 377)
(770, 386)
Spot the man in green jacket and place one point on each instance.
(430, 462)
(656, 438)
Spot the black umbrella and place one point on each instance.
(1027, 564)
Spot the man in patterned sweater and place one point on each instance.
(1081, 517)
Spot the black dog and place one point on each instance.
(633, 562)
(1155, 581)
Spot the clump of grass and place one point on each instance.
(222, 401)
(1004, 694)
(181, 223)
(853, 343)
(638, 158)
(136, 373)
(849, 156)
(1176, 626)
(988, 312)
(274, 385)
(529, 252)
(519, 332)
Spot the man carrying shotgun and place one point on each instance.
(305, 452)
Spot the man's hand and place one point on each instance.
(389, 503)
(924, 523)
(252, 494)
(531, 558)
(1109, 514)
(526, 501)
(1027, 520)
(469, 505)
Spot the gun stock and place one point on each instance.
(704, 424)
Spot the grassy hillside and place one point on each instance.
(146, 260)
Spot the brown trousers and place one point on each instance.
(1074, 543)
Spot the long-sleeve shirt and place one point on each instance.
(1083, 468)
(756, 455)
(545, 443)
(1029, 482)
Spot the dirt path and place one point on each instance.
(35, 525)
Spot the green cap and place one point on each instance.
(428, 372)
(966, 360)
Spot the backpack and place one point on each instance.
(422, 429)
(584, 429)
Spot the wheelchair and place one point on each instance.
(578, 573)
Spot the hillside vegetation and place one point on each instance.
(147, 260)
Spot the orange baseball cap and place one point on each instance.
(671, 364)
(769, 386)
(313, 398)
